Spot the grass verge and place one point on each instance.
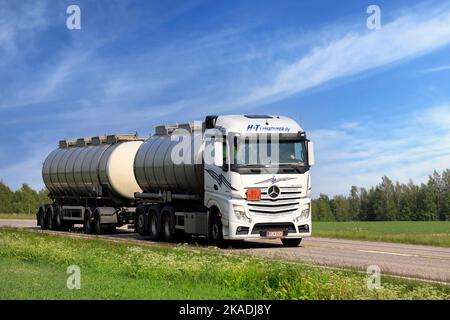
(33, 266)
(433, 233)
(14, 216)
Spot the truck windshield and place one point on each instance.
(267, 153)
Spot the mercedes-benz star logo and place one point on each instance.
(273, 191)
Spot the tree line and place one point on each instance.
(389, 201)
(24, 200)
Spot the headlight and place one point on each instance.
(239, 211)
(305, 212)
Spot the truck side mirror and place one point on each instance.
(218, 153)
(310, 153)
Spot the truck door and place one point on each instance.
(217, 168)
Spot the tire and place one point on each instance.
(140, 221)
(97, 225)
(168, 224)
(88, 226)
(59, 219)
(216, 231)
(154, 225)
(49, 217)
(42, 219)
(291, 242)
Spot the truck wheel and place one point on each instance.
(216, 230)
(49, 216)
(291, 242)
(88, 227)
(140, 221)
(58, 219)
(41, 218)
(154, 225)
(97, 225)
(168, 224)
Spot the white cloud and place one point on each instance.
(27, 169)
(412, 148)
(409, 36)
(350, 125)
(19, 21)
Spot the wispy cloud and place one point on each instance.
(18, 21)
(436, 69)
(410, 35)
(408, 147)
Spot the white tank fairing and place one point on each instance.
(119, 169)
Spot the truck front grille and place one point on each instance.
(287, 202)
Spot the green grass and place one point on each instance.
(17, 216)
(33, 266)
(434, 233)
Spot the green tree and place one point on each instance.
(6, 196)
(389, 210)
(25, 200)
(354, 203)
(426, 203)
(340, 207)
(321, 210)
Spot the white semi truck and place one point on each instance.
(230, 177)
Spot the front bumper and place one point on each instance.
(290, 224)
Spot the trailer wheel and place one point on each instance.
(291, 242)
(154, 225)
(168, 223)
(41, 218)
(58, 219)
(49, 217)
(88, 227)
(216, 230)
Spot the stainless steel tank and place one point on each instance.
(101, 166)
(155, 169)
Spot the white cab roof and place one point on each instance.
(255, 124)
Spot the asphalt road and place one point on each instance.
(414, 261)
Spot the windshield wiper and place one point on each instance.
(254, 165)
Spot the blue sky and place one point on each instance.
(375, 102)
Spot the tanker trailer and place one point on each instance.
(91, 182)
(223, 189)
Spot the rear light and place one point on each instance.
(254, 194)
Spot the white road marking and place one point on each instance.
(390, 253)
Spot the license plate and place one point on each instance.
(274, 234)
